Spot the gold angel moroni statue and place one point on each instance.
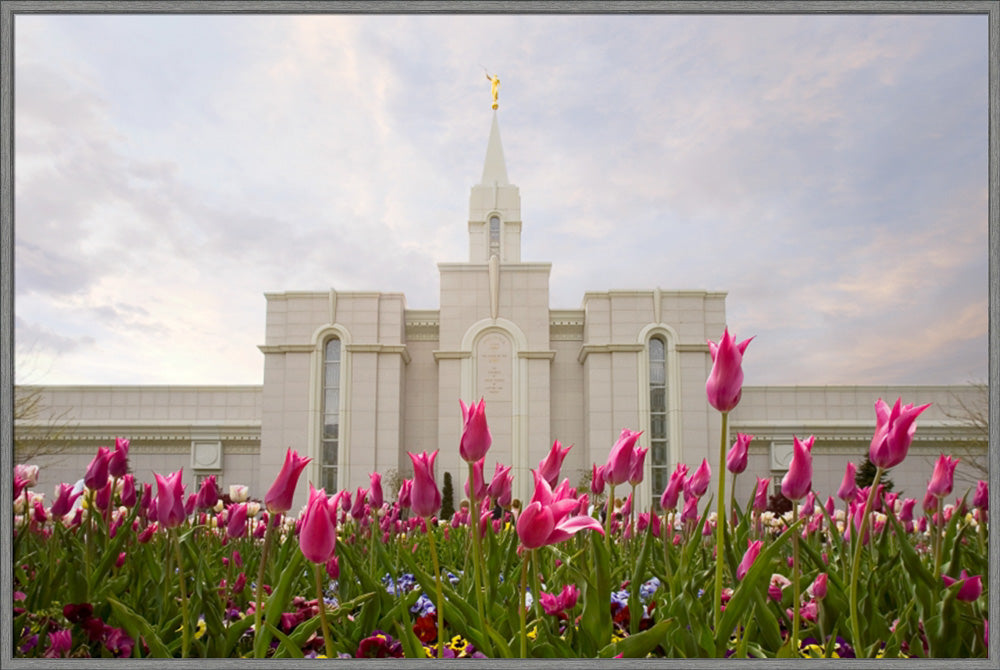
(494, 87)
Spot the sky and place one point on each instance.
(829, 172)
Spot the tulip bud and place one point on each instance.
(725, 382)
(425, 498)
(97, 472)
(279, 496)
(736, 459)
(943, 476)
(798, 480)
(550, 466)
(476, 439)
(238, 493)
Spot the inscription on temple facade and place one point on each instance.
(494, 367)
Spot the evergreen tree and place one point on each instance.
(447, 498)
(866, 475)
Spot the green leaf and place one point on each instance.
(136, 626)
(640, 644)
(275, 605)
(285, 647)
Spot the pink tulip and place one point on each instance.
(103, 497)
(819, 586)
(425, 498)
(673, 489)
(760, 495)
(128, 496)
(237, 524)
(619, 464)
(566, 600)
(97, 472)
(550, 465)
(375, 492)
(64, 500)
(170, 499)
(753, 550)
(597, 479)
(118, 459)
(547, 520)
(943, 477)
(476, 439)
(736, 459)
(317, 536)
(636, 468)
(208, 494)
(798, 480)
(358, 509)
(690, 511)
(848, 490)
(279, 496)
(696, 486)
(725, 382)
(499, 489)
(971, 587)
(403, 498)
(981, 498)
(894, 431)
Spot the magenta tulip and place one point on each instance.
(547, 519)
(279, 496)
(170, 499)
(500, 488)
(798, 480)
(64, 500)
(557, 604)
(550, 465)
(479, 480)
(819, 586)
(425, 498)
(118, 459)
(848, 490)
(971, 587)
(476, 439)
(636, 471)
(97, 472)
(619, 464)
(237, 524)
(208, 494)
(403, 497)
(375, 491)
(894, 431)
(725, 382)
(696, 486)
(749, 556)
(760, 495)
(358, 509)
(597, 479)
(981, 498)
(317, 535)
(943, 477)
(674, 486)
(736, 459)
(129, 497)
(690, 511)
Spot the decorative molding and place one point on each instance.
(286, 348)
(443, 355)
(692, 348)
(543, 354)
(399, 349)
(588, 349)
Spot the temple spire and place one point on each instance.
(495, 167)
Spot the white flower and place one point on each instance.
(238, 493)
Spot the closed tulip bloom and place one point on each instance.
(358, 509)
(318, 535)
(971, 587)
(619, 464)
(848, 490)
(906, 512)
(403, 498)
(375, 491)
(819, 586)
(894, 431)
(238, 493)
(597, 479)
(118, 459)
(725, 382)
(97, 472)
(760, 495)
(736, 459)
(500, 486)
(279, 496)
(690, 511)
(208, 494)
(128, 495)
(550, 465)
(64, 500)
(981, 498)
(237, 524)
(476, 439)
(674, 486)
(425, 498)
(636, 468)
(696, 486)
(798, 480)
(170, 499)
(749, 556)
(943, 476)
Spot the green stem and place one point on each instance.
(720, 521)
(258, 613)
(477, 556)
(437, 584)
(856, 567)
(185, 621)
(322, 611)
(524, 606)
(795, 580)
(938, 532)
(608, 511)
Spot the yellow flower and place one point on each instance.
(458, 643)
(533, 633)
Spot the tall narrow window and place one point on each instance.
(330, 435)
(658, 428)
(494, 237)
